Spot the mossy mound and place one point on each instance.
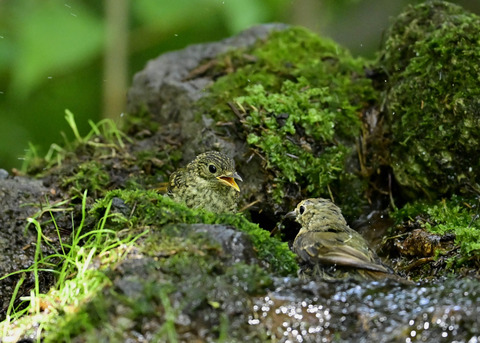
(139, 263)
(179, 285)
(432, 98)
(298, 101)
(184, 280)
(145, 209)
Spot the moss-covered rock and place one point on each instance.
(181, 285)
(142, 209)
(432, 98)
(300, 112)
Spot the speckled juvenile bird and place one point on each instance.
(207, 182)
(329, 249)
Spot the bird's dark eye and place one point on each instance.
(301, 209)
(212, 168)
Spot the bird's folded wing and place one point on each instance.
(333, 249)
(177, 180)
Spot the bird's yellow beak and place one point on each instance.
(229, 180)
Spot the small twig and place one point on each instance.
(249, 205)
(235, 110)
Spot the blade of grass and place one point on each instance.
(70, 118)
(12, 302)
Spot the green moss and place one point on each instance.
(89, 176)
(142, 122)
(292, 158)
(106, 158)
(432, 97)
(456, 215)
(153, 209)
(300, 98)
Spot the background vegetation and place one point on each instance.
(82, 55)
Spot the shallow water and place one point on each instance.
(370, 312)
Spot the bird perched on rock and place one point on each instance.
(329, 249)
(207, 182)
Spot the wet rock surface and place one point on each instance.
(446, 311)
(222, 294)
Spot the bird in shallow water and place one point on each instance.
(207, 182)
(329, 249)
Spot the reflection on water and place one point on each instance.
(370, 312)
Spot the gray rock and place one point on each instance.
(20, 198)
(236, 246)
(3, 174)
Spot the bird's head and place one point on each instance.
(214, 166)
(307, 209)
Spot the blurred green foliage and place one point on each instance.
(51, 52)
(51, 57)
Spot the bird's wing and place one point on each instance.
(336, 248)
(177, 180)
